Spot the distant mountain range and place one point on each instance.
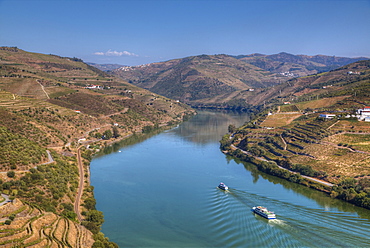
(299, 65)
(223, 79)
(105, 67)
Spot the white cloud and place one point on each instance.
(115, 53)
(99, 53)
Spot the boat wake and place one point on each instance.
(230, 217)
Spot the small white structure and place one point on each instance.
(98, 87)
(364, 113)
(353, 72)
(327, 116)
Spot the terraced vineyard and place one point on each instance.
(62, 105)
(23, 225)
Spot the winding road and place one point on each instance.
(80, 186)
(6, 199)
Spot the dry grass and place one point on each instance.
(279, 120)
(289, 108)
(320, 103)
(352, 126)
(358, 141)
(334, 160)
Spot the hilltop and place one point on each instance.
(350, 80)
(297, 65)
(55, 113)
(224, 81)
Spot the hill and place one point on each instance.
(196, 78)
(311, 129)
(28, 226)
(349, 80)
(297, 65)
(223, 81)
(55, 113)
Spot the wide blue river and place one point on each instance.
(161, 191)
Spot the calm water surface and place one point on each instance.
(162, 192)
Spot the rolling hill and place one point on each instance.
(225, 81)
(55, 112)
(310, 132)
(351, 80)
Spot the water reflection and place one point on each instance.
(140, 212)
(321, 198)
(210, 126)
(127, 142)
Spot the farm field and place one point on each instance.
(358, 141)
(28, 226)
(279, 119)
(320, 103)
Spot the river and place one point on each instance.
(161, 191)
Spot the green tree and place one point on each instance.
(90, 203)
(98, 135)
(348, 183)
(10, 174)
(231, 128)
(95, 216)
(107, 134)
(115, 132)
(225, 142)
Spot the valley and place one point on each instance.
(74, 110)
(47, 102)
(227, 82)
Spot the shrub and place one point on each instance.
(10, 174)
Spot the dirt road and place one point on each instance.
(80, 186)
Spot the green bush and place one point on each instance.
(10, 174)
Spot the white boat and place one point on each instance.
(223, 186)
(262, 211)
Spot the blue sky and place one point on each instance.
(145, 31)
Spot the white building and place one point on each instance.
(363, 113)
(98, 87)
(327, 116)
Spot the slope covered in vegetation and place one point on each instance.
(318, 134)
(224, 81)
(55, 113)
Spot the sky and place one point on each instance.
(135, 32)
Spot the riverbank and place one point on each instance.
(271, 161)
(327, 154)
(272, 168)
(149, 179)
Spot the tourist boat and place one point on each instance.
(264, 212)
(223, 186)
